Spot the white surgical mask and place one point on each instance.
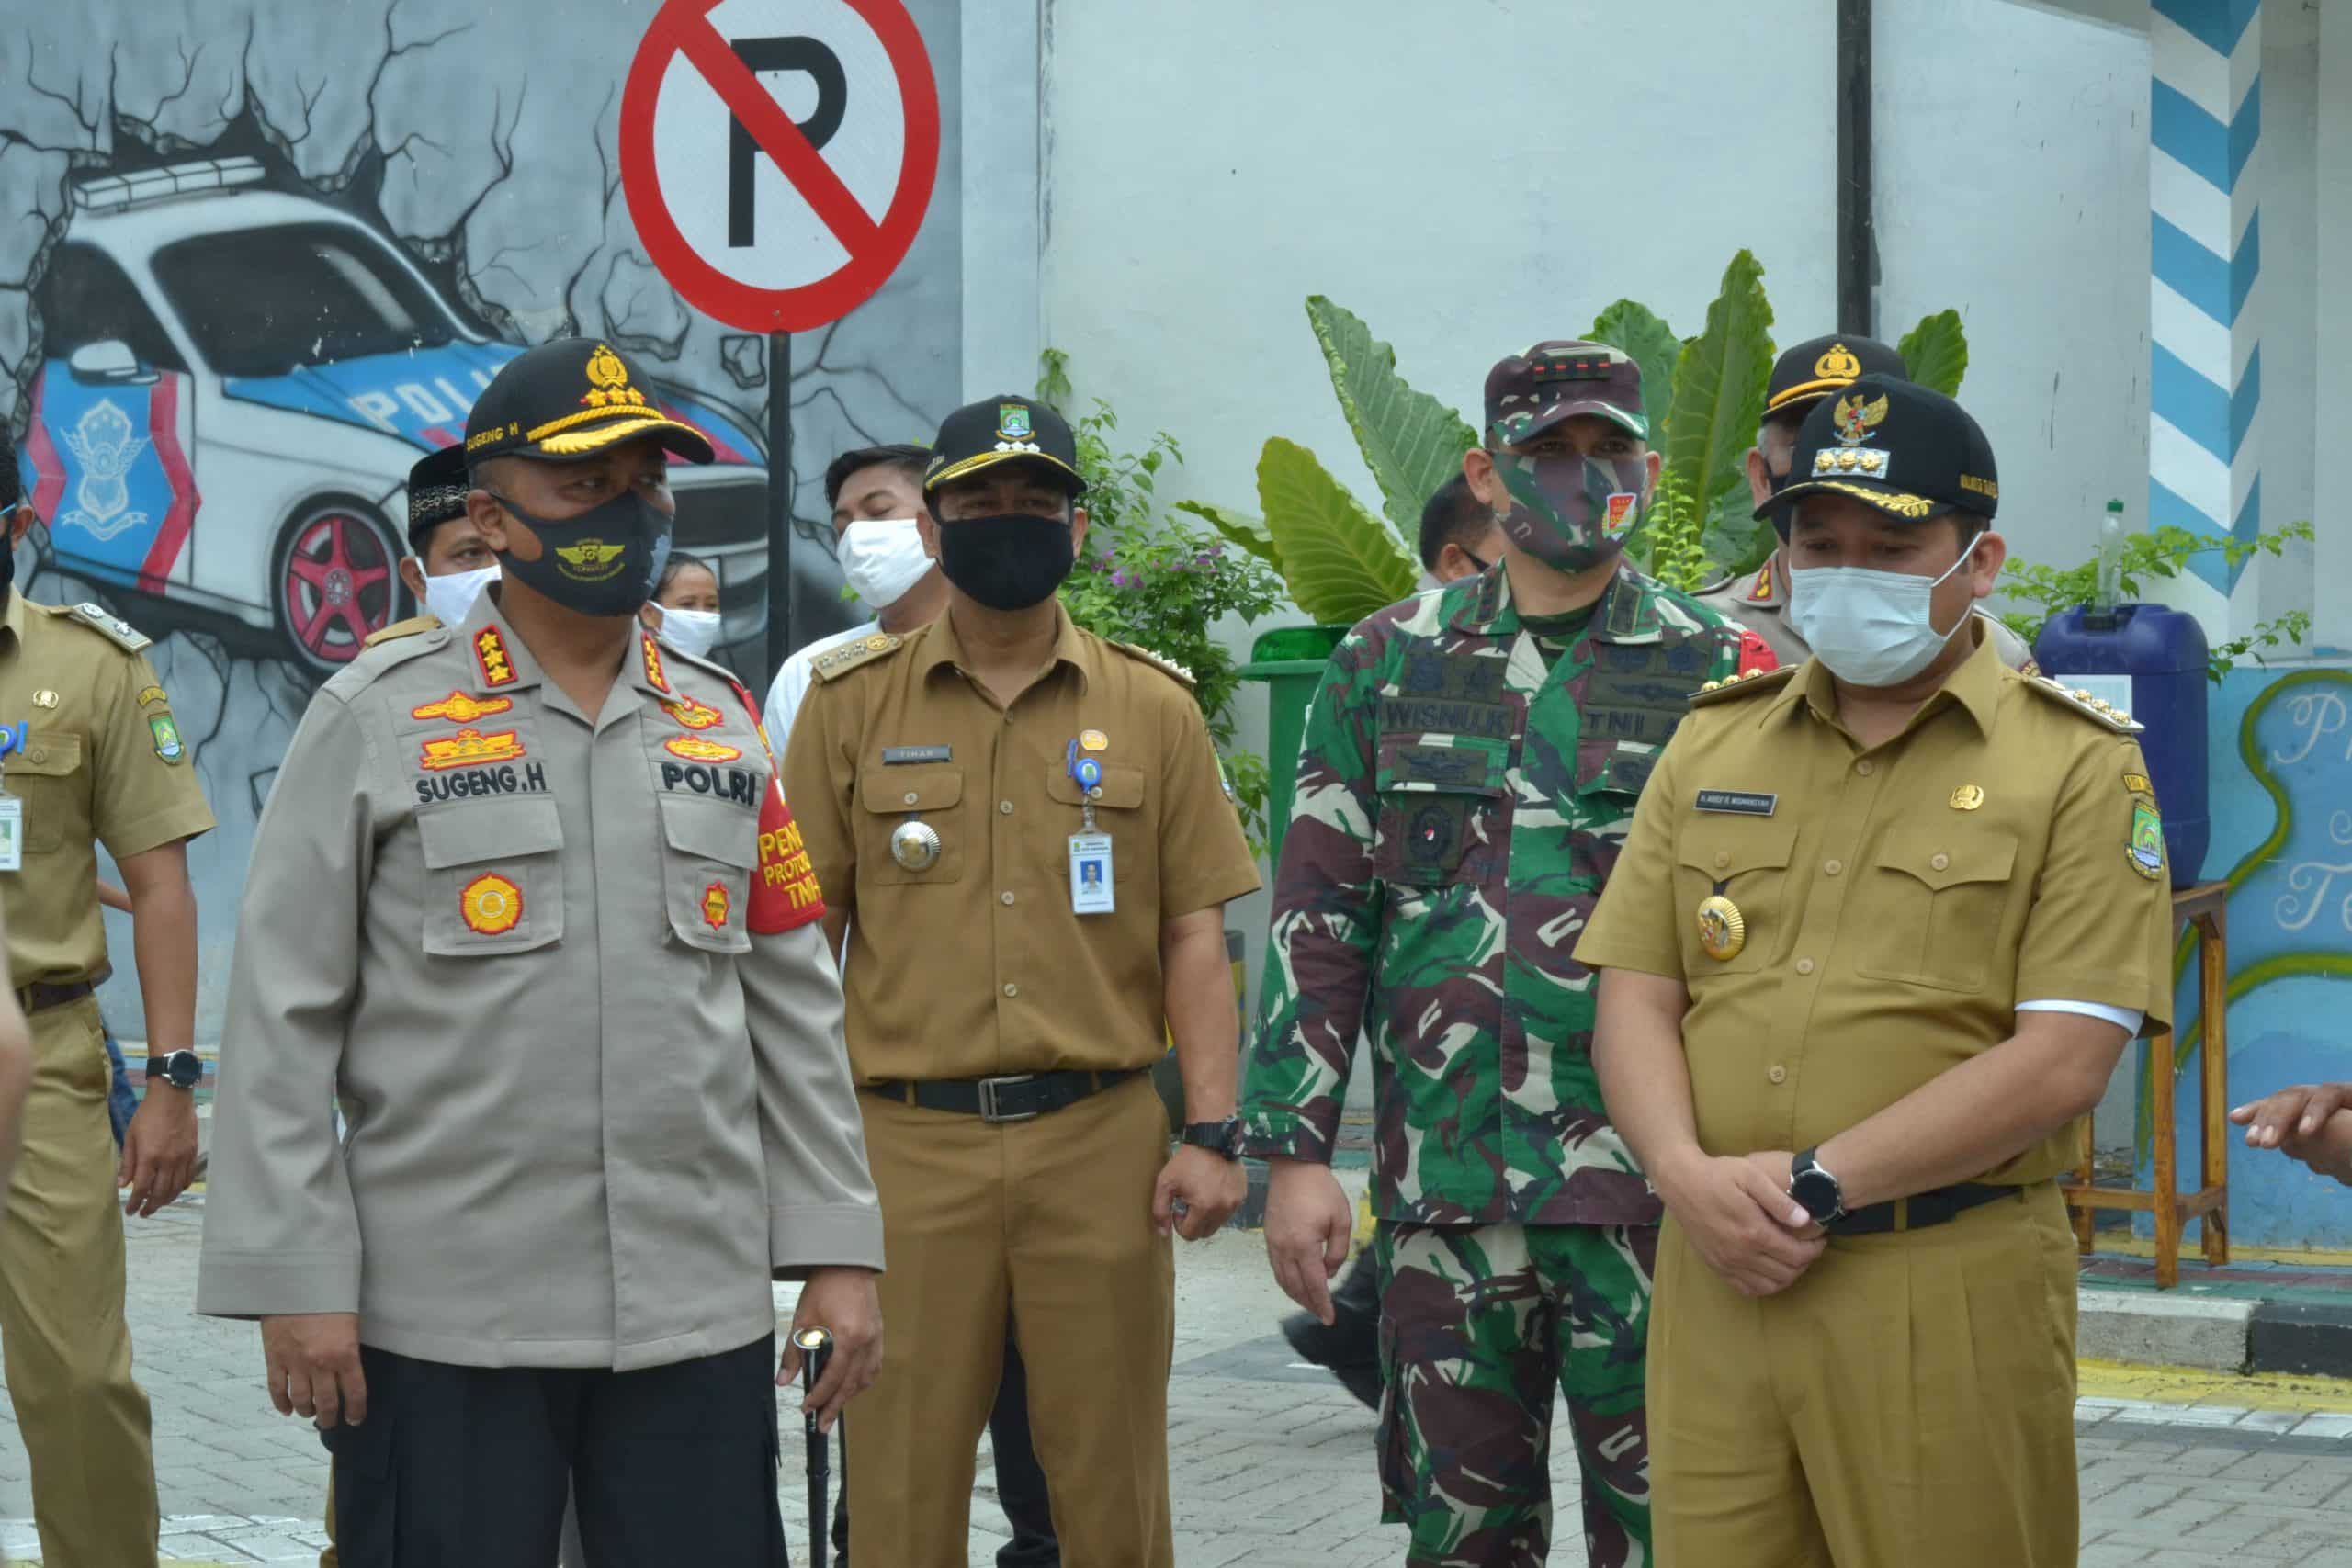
(1872, 628)
(689, 631)
(882, 558)
(449, 598)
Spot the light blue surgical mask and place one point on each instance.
(1872, 628)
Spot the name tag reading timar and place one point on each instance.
(1739, 802)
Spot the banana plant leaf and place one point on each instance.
(1936, 351)
(1237, 528)
(1719, 389)
(1340, 563)
(1411, 442)
(1633, 328)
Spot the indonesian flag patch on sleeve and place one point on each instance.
(785, 895)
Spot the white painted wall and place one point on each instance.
(2012, 146)
(2332, 330)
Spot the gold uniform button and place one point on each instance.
(1834, 867)
(1004, 897)
(1011, 990)
(1004, 808)
(1777, 1075)
(1938, 861)
(1866, 767)
(1804, 965)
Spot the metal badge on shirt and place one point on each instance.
(1090, 848)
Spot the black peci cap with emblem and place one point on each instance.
(1911, 453)
(567, 400)
(1001, 430)
(436, 494)
(1811, 371)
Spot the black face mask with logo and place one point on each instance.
(1008, 562)
(600, 563)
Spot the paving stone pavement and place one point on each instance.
(1270, 1463)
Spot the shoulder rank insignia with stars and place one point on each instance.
(1160, 662)
(1747, 683)
(490, 655)
(114, 626)
(2083, 702)
(850, 655)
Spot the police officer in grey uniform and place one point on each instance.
(527, 895)
(1802, 376)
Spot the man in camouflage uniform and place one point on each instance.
(1801, 378)
(1469, 768)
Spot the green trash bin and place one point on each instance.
(1290, 661)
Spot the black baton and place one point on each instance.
(816, 1349)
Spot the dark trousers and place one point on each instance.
(1020, 1479)
(465, 1467)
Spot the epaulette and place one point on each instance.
(837, 662)
(1166, 666)
(409, 627)
(2083, 702)
(113, 628)
(1745, 684)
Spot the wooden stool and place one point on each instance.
(2204, 908)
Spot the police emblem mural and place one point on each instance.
(245, 288)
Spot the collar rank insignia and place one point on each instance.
(1856, 419)
(459, 708)
(470, 748)
(690, 714)
(490, 653)
(654, 676)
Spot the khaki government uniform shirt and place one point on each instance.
(976, 965)
(593, 1066)
(1757, 601)
(104, 761)
(1892, 927)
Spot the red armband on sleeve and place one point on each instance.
(1755, 655)
(785, 895)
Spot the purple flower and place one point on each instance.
(1119, 580)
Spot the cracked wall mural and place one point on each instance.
(255, 255)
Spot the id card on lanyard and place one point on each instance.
(1091, 877)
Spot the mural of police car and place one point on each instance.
(236, 379)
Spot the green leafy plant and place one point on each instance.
(1145, 577)
(2157, 553)
(1704, 396)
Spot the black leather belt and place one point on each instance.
(1920, 1210)
(41, 994)
(1016, 1097)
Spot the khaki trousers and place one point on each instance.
(1048, 1221)
(62, 1337)
(1909, 1400)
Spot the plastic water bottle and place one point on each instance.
(2108, 588)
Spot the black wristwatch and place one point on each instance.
(180, 1069)
(1811, 1185)
(1220, 1138)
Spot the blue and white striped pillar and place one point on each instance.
(2205, 255)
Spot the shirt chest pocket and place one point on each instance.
(48, 778)
(890, 851)
(1742, 862)
(493, 875)
(1933, 912)
(1118, 803)
(707, 858)
(1440, 809)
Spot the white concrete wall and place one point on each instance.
(2331, 330)
(2012, 147)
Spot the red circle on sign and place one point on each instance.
(683, 28)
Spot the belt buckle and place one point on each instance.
(989, 1112)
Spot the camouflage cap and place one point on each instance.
(436, 494)
(1530, 392)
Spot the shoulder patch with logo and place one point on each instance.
(166, 736)
(147, 696)
(2146, 847)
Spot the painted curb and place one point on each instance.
(2135, 1327)
(2302, 1337)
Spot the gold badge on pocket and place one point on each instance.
(1722, 930)
(914, 844)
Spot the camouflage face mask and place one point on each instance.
(1571, 512)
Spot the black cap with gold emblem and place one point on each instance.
(436, 494)
(569, 399)
(1909, 452)
(1001, 430)
(1809, 372)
